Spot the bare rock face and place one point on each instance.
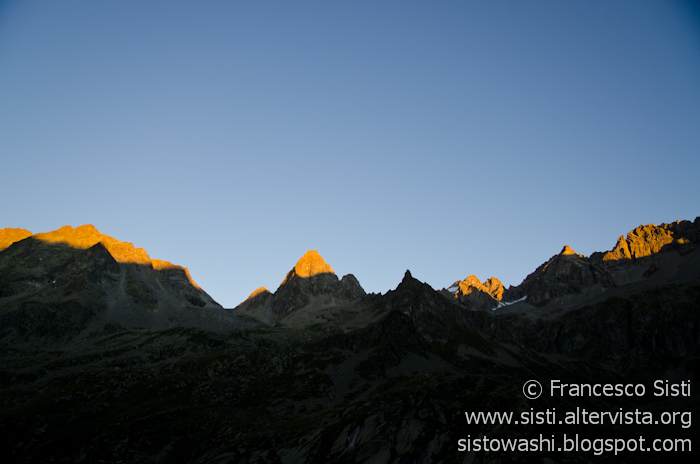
(642, 241)
(683, 236)
(495, 288)
(648, 240)
(621, 251)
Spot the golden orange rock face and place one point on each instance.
(86, 236)
(9, 236)
(311, 264)
(621, 251)
(465, 286)
(495, 288)
(257, 292)
(642, 241)
(567, 251)
(492, 286)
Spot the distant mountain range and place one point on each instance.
(109, 355)
(649, 255)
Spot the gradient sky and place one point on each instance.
(449, 138)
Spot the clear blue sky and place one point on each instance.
(449, 138)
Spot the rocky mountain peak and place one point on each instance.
(471, 284)
(473, 294)
(87, 236)
(257, 292)
(495, 288)
(311, 264)
(258, 298)
(567, 251)
(310, 281)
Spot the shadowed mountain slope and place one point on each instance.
(58, 283)
(336, 375)
(310, 282)
(649, 254)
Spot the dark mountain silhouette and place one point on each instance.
(109, 356)
(58, 284)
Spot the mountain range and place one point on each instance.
(109, 355)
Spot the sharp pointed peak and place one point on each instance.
(567, 251)
(409, 281)
(310, 264)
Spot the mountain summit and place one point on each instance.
(472, 293)
(87, 236)
(310, 281)
(311, 264)
(58, 283)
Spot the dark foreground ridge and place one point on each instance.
(109, 356)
